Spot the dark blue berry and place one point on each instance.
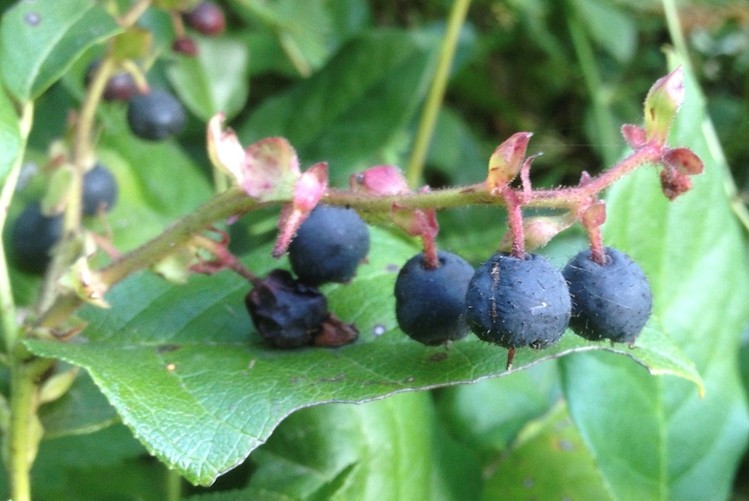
(32, 238)
(517, 302)
(611, 301)
(430, 303)
(329, 245)
(99, 190)
(155, 116)
(286, 312)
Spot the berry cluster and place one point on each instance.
(292, 312)
(523, 301)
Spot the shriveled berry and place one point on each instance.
(99, 190)
(430, 302)
(517, 302)
(155, 116)
(207, 18)
(610, 301)
(329, 245)
(120, 86)
(287, 313)
(32, 238)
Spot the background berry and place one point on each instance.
(329, 245)
(612, 301)
(32, 238)
(120, 86)
(286, 312)
(430, 303)
(207, 18)
(155, 116)
(516, 302)
(99, 190)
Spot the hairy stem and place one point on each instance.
(235, 201)
(436, 92)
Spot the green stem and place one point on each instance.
(436, 94)
(25, 431)
(608, 136)
(7, 304)
(173, 486)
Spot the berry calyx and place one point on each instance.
(99, 190)
(516, 302)
(207, 18)
(430, 302)
(610, 301)
(329, 245)
(33, 236)
(287, 313)
(155, 116)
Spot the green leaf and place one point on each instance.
(40, 40)
(548, 461)
(669, 442)
(10, 135)
(186, 371)
(357, 105)
(217, 79)
(83, 409)
(612, 29)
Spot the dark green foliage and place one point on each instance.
(329, 245)
(99, 190)
(612, 301)
(32, 238)
(155, 116)
(430, 303)
(518, 302)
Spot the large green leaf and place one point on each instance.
(668, 442)
(548, 461)
(217, 79)
(186, 371)
(40, 40)
(356, 106)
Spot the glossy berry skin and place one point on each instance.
(612, 301)
(329, 245)
(286, 312)
(517, 302)
(430, 303)
(32, 238)
(155, 116)
(99, 190)
(207, 18)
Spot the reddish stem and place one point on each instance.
(597, 253)
(515, 222)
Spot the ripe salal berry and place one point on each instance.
(516, 302)
(32, 238)
(99, 190)
(610, 301)
(329, 245)
(430, 302)
(156, 115)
